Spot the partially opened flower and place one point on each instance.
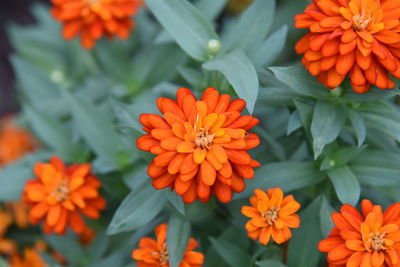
(271, 214)
(359, 38)
(154, 253)
(60, 195)
(92, 19)
(201, 145)
(15, 142)
(367, 239)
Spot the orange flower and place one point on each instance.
(94, 18)
(30, 258)
(87, 236)
(7, 246)
(61, 194)
(271, 215)
(200, 145)
(154, 253)
(15, 142)
(356, 37)
(370, 239)
(19, 212)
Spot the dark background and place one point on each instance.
(11, 11)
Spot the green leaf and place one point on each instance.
(186, 24)
(373, 95)
(240, 73)
(325, 215)
(115, 259)
(303, 247)
(233, 255)
(346, 185)
(138, 208)
(377, 167)
(269, 263)
(14, 176)
(53, 133)
(294, 122)
(270, 49)
(95, 128)
(177, 239)
(286, 175)
(341, 157)
(35, 85)
(3, 263)
(301, 81)
(327, 122)
(211, 9)
(176, 201)
(68, 246)
(358, 124)
(251, 28)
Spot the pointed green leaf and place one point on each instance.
(358, 124)
(327, 122)
(252, 27)
(186, 24)
(303, 247)
(346, 185)
(138, 208)
(240, 73)
(325, 215)
(270, 49)
(233, 255)
(177, 239)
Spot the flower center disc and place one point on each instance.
(204, 139)
(361, 21)
(271, 215)
(163, 254)
(377, 241)
(61, 191)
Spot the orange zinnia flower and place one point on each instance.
(370, 239)
(30, 258)
(154, 253)
(61, 194)
(15, 142)
(271, 215)
(200, 145)
(356, 37)
(94, 18)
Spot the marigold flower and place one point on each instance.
(60, 194)
(356, 37)
(15, 142)
(154, 253)
(368, 239)
(92, 19)
(271, 214)
(200, 145)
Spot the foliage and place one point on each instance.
(324, 147)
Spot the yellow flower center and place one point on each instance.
(163, 255)
(204, 139)
(61, 191)
(271, 215)
(361, 21)
(377, 241)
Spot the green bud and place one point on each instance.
(214, 46)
